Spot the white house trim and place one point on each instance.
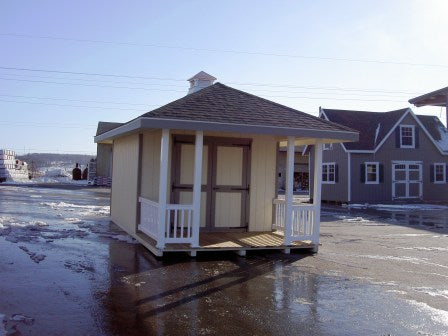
(349, 177)
(317, 191)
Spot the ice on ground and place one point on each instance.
(432, 292)
(353, 219)
(437, 315)
(397, 207)
(103, 210)
(37, 258)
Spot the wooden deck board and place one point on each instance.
(229, 241)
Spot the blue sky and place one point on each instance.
(45, 111)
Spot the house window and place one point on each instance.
(372, 172)
(439, 173)
(328, 146)
(407, 136)
(328, 173)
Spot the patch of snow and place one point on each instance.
(432, 292)
(353, 219)
(422, 248)
(125, 238)
(443, 142)
(22, 318)
(397, 207)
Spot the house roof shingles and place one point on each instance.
(219, 103)
(105, 126)
(366, 123)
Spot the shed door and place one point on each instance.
(230, 186)
(225, 176)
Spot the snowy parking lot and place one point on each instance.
(65, 269)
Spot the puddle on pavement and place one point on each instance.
(94, 283)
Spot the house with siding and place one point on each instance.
(104, 150)
(199, 174)
(400, 156)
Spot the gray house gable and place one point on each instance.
(377, 127)
(351, 160)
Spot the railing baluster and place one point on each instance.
(182, 224)
(175, 224)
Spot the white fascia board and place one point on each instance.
(151, 123)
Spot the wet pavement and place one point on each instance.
(66, 270)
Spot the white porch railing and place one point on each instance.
(304, 224)
(178, 226)
(149, 217)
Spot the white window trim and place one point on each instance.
(413, 136)
(377, 164)
(328, 164)
(328, 146)
(444, 172)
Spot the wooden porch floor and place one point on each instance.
(228, 241)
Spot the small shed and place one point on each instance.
(104, 150)
(199, 173)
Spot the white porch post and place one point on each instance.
(289, 190)
(317, 191)
(197, 184)
(163, 186)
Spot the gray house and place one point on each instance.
(399, 156)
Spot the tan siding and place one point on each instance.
(151, 165)
(124, 182)
(262, 182)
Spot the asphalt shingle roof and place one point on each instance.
(104, 126)
(366, 123)
(219, 103)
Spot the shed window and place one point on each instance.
(407, 136)
(372, 173)
(439, 173)
(328, 173)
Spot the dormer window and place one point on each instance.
(407, 136)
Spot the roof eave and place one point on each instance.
(152, 123)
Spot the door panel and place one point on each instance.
(400, 190)
(414, 189)
(229, 166)
(228, 210)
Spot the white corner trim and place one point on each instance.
(349, 177)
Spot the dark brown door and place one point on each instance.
(225, 180)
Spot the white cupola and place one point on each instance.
(199, 81)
